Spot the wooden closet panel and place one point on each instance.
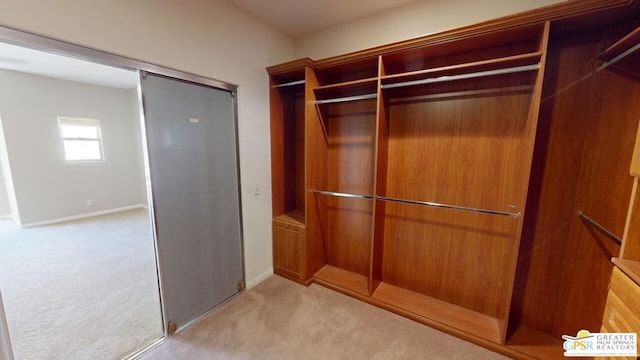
(351, 145)
(603, 194)
(298, 151)
(554, 177)
(380, 186)
(461, 144)
(631, 248)
(454, 256)
(279, 150)
(316, 171)
(348, 234)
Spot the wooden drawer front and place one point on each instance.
(618, 317)
(288, 250)
(626, 290)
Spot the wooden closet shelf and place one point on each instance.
(458, 69)
(346, 89)
(535, 343)
(630, 267)
(291, 83)
(461, 76)
(355, 83)
(296, 217)
(622, 48)
(469, 321)
(334, 276)
(347, 99)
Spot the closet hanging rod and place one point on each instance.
(621, 56)
(472, 75)
(347, 98)
(452, 207)
(292, 83)
(600, 227)
(346, 195)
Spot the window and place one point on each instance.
(81, 139)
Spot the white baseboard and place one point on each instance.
(81, 216)
(260, 278)
(8, 216)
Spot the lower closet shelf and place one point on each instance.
(469, 321)
(347, 280)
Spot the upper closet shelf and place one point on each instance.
(347, 98)
(347, 91)
(500, 66)
(621, 49)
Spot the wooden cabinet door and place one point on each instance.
(288, 250)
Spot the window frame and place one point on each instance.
(76, 121)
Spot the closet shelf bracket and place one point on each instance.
(599, 227)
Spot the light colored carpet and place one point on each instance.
(80, 290)
(279, 319)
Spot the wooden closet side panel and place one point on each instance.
(350, 163)
(316, 177)
(554, 178)
(298, 134)
(603, 194)
(277, 108)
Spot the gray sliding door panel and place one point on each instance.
(192, 146)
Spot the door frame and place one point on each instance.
(51, 45)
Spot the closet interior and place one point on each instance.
(475, 180)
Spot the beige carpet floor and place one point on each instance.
(85, 289)
(279, 319)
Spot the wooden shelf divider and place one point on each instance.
(346, 280)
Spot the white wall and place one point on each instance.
(7, 183)
(206, 37)
(406, 22)
(4, 199)
(45, 186)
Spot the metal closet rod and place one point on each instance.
(452, 207)
(472, 75)
(424, 203)
(347, 98)
(621, 56)
(292, 83)
(346, 195)
(599, 227)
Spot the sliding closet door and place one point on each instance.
(191, 136)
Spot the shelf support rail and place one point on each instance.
(472, 75)
(599, 227)
(452, 207)
(292, 83)
(346, 195)
(621, 56)
(347, 98)
(414, 202)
